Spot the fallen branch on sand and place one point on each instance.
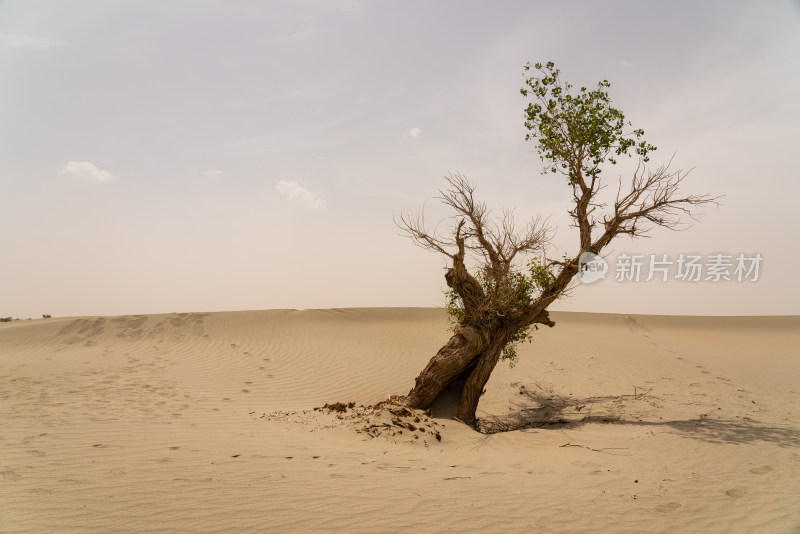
(603, 449)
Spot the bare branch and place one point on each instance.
(460, 196)
(498, 290)
(413, 227)
(653, 201)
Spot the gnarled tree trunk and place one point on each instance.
(448, 364)
(470, 355)
(479, 375)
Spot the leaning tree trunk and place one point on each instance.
(448, 364)
(478, 376)
(470, 354)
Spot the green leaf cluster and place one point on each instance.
(510, 295)
(576, 132)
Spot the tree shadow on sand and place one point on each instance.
(541, 409)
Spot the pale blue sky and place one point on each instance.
(200, 156)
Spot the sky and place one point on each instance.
(185, 156)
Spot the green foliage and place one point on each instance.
(520, 335)
(455, 308)
(576, 132)
(5, 319)
(510, 295)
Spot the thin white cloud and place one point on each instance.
(19, 40)
(88, 171)
(299, 196)
(208, 173)
(627, 65)
(415, 132)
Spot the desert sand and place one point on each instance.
(204, 422)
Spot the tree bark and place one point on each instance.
(479, 376)
(470, 355)
(452, 359)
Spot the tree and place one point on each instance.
(513, 282)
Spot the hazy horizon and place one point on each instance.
(207, 156)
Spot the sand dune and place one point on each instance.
(204, 422)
